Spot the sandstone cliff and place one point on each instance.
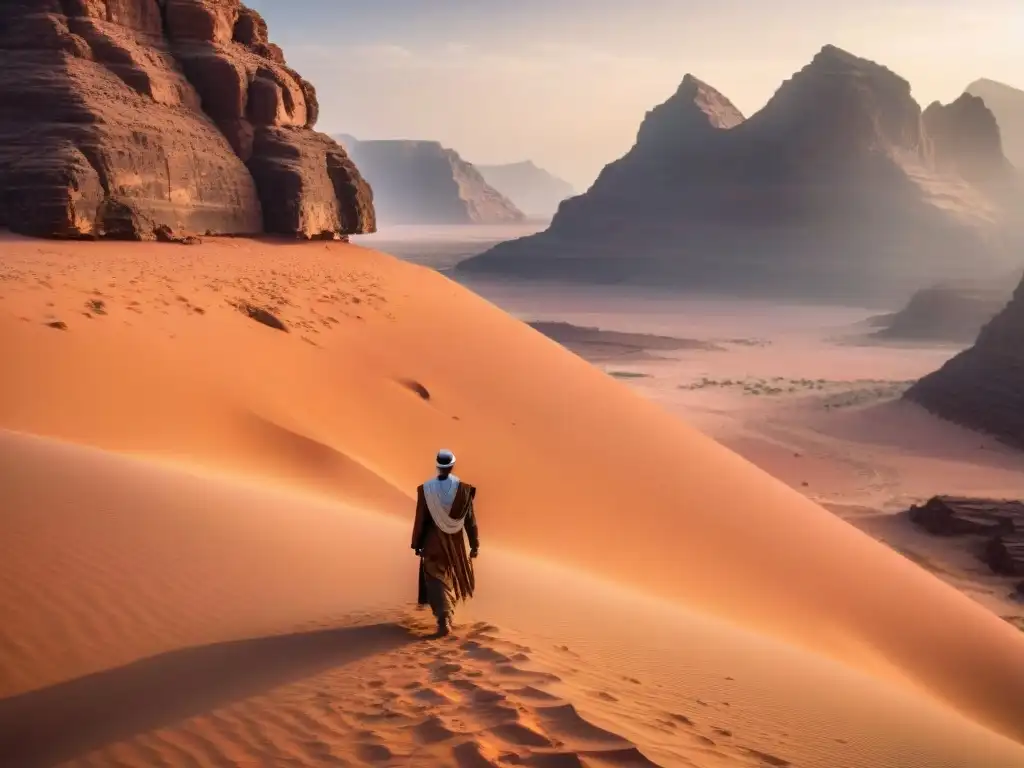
(835, 189)
(1007, 104)
(983, 387)
(422, 182)
(122, 118)
(532, 190)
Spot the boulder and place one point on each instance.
(119, 118)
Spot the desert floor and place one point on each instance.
(208, 456)
(805, 393)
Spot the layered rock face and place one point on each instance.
(983, 387)
(1007, 104)
(122, 118)
(834, 190)
(422, 182)
(531, 189)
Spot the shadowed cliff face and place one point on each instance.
(834, 190)
(123, 117)
(421, 182)
(983, 387)
(1007, 104)
(966, 140)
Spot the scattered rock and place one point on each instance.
(261, 315)
(164, 234)
(1001, 521)
(959, 516)
(60, 325)
(96, 306)
(1004, 553)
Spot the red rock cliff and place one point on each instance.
(119, 117)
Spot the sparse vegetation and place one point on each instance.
(838, 394)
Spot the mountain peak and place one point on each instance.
(966, 138)
(692, 114)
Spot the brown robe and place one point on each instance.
(444, 555)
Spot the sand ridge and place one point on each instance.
(170, 624)
(326, 408)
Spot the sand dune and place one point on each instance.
(381, 363)
(164, 617)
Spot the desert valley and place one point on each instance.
(745, 418)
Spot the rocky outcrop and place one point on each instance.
(952, 312)
(966, 139)
(983, 387)
(422, 182)
(121, 118)
(1007, 104)
(963, 516)
(832, 190)
(532, 190)
(999, 521)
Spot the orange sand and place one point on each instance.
(107, 560)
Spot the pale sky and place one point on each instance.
(566, 83)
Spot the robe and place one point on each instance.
(446, 570)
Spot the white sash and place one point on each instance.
(440, 495)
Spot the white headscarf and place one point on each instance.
(440, 495)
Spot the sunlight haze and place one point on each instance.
(566, 83)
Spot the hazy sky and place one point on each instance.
(566, 82)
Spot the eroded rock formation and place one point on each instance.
(120, 117)
(422, 182)
(832, 190)
(983, 387)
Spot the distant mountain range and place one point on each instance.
(1007, 104)
(840, 188)
(422, 182)
(534, 191)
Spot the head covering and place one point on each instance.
(445, 459)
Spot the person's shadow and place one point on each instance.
(52, 725)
